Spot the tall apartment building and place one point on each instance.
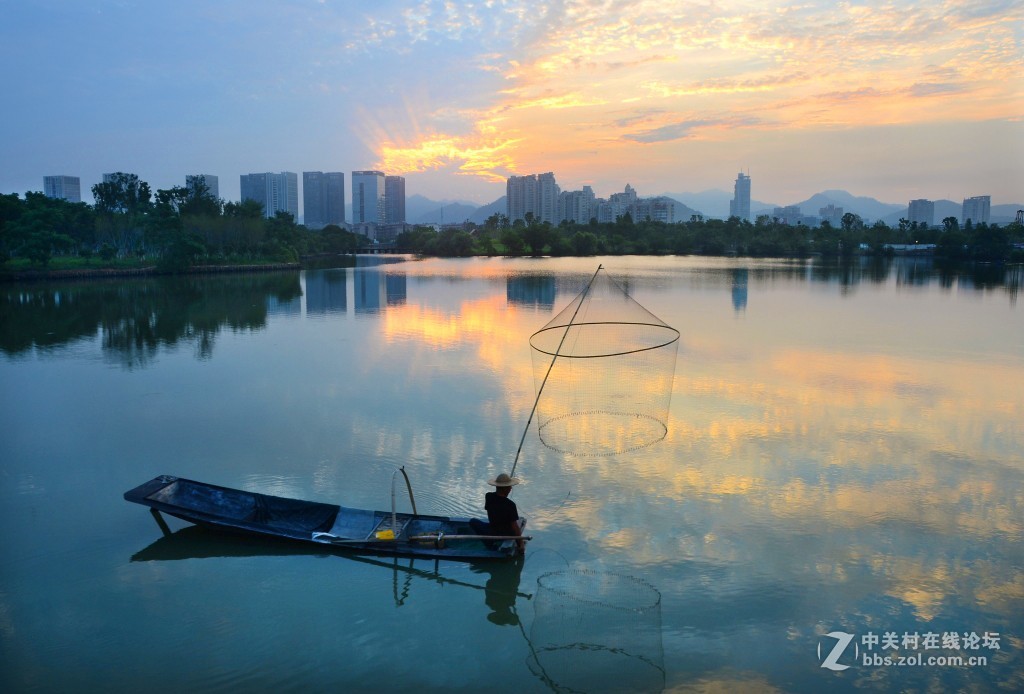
(64, 187)
(921, 211)
(976, 209)
(323, 198)
(211, 182)
(739, 206)
(536, 194)
(577, 206)
(276, 192)
(367, 197)
(394, 199)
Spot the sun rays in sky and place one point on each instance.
(601, 91)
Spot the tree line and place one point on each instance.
(185, 226)
(766, 237)
(174, 228)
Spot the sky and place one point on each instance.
(892, 99)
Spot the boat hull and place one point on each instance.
(326, 525)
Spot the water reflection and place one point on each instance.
(135, 318)
(326, 292)
(376, 290)
(195, 542)
(531, 290)
(502, 589)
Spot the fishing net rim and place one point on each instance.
(584, 572)
(610, 354)
(577, 454)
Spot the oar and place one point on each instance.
(433, 538)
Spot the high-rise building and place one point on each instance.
(211, 183)
(64, 187)
(921, 211)
(976, 209)
(323, 198)
(276, 192)
(535, 194)
(577, 205)
(739, 206)
(394, 199)
(368, 197)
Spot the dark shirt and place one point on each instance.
(501, 513)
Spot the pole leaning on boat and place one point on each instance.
(583, 296)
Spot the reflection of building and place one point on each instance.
(976, 209)
(370, 291)
(276, 192)
(64, 187)
(323, 198)
(531, 290)
(367, 197)
(394, 289)
(921, 211)
(739, 206)
(739, 289)
(326, 292)
(394, 199)
(211, 182)
(276, 306)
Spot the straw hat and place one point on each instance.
(503, 480)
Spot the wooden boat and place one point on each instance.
(326, 525)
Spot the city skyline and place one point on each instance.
(896, 101)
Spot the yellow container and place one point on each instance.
(385, 534)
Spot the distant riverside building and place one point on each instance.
(831, 214)
(577, 205)
(739, 206)
(659, 209)
(536, 194)
(394, 199)
(64, 187)
(211, 182)
(921, 211)
(276, 192)
(976, 209)
(323, 198)
(368, 197)
(790, 215)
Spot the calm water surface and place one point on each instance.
(845, 455)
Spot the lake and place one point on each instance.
(841, 481)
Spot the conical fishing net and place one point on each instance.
(603, 368)
(597, 632)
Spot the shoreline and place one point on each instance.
(148, 271)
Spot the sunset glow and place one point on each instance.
(894, 100)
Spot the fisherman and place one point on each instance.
(502, 513)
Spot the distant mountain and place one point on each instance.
(482, 213)
(869, 209)
(421, 210)
(711, 204)
(683, 211)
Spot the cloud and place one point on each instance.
(684, 129)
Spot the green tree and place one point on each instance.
(512, 240)
(122, 203)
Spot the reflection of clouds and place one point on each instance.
(877, 470)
